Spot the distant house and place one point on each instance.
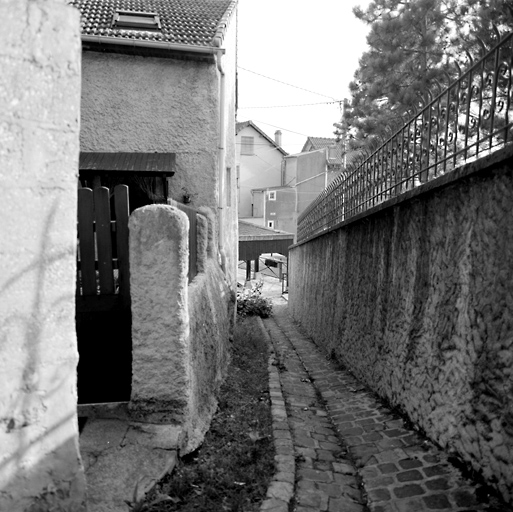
(307, 174)
(158, 96)
(338, 156)
(259, 164)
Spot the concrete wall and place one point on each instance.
(260, 170)
(40, 467)
(417, 301)
(180, 331)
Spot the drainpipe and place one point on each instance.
(221, 156)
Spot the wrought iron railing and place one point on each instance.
(471, 117)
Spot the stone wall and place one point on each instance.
(40, 467)
(417, 299)
(180, 331)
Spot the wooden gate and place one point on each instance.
(103, 315)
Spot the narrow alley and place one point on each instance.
(347, 450)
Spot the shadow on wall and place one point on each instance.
(39, 438)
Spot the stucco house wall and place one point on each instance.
(40, 466)
(259, 170)
(282, 211)
(151, 104)
(312, 177)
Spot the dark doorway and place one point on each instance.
(103, 315)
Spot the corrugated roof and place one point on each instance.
(128, 162)
(185, 22)
(249, 231)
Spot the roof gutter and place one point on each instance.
(159, 45)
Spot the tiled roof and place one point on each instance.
(245, 124)
(184, 22)
(326, 142)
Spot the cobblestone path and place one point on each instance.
(352, 453)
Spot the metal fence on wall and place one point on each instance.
(470, 118)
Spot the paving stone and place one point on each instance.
(386, 444)
(391, 455)
(373, 436)
(438, 484)
(410, 463)
(407, 491)
(379, 495)
(306, 485)
(345, 469)
(409, 476)
(280, 490)
(434, 470)
(332, 490)
(389, 467)
(325, 455)
(437, 502)
(322, 465)
(309, 499)
(274, 505)
(329, 446)
(344, 505)
(414, 505)
(380, 481)
(315, 475)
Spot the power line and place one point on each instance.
(290, 85)
(280, 128)
(300, 105)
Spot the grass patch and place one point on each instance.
(232, 469)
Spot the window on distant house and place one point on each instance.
(272, 195)
(135, 20)
(247, 144)
(270, 224)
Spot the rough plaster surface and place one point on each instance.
(416, 300)
(160, 333)
(134, 103)
(180, 331)
(40, 466)
(211, 313)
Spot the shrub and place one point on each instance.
(251, 302)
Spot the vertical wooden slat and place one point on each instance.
(103, 239)
(121, 207)
(86, 241)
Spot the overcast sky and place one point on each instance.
(314, 45)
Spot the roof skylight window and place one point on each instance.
(133, 20)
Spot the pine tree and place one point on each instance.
(414, 45)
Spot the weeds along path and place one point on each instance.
(232, 469)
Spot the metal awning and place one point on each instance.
(256, 240)
(151, 164)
